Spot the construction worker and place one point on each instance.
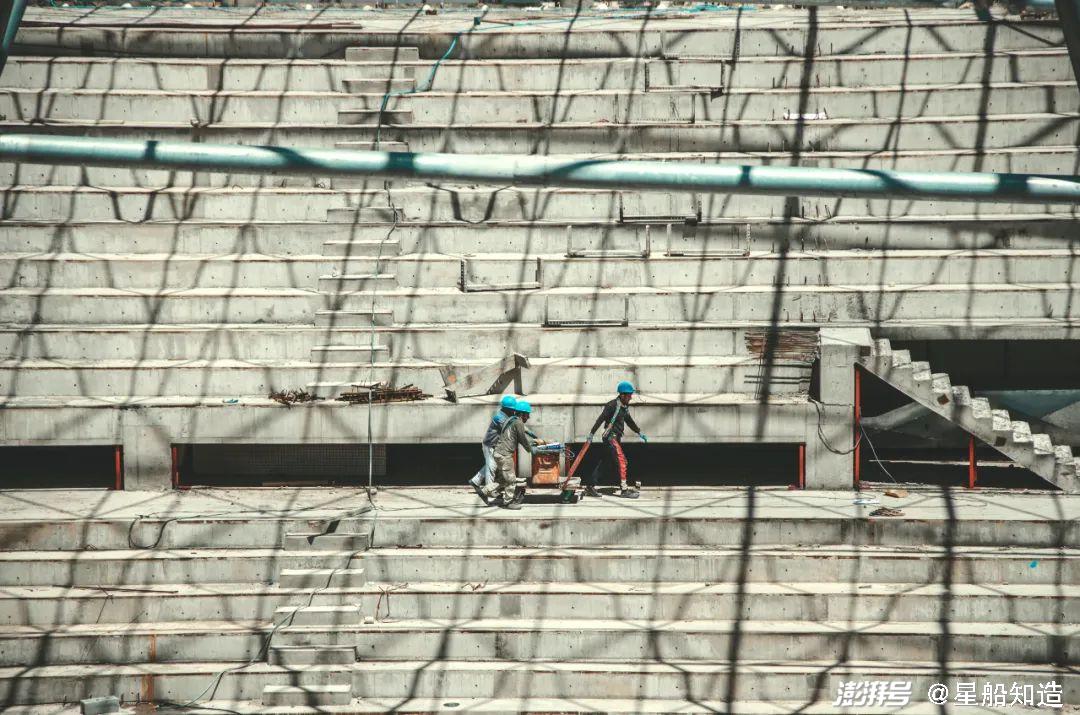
(615, 415)
(513, 434)
(484, 480)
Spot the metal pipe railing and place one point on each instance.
(544, 171)
(11, 17)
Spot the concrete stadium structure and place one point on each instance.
(154, 311)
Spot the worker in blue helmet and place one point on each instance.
(513, 434)
(483, 483)
(615, 417)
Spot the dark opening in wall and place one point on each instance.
(652, 464)
(944, 467)
(82, 467)
(453, 464)
(255, 465)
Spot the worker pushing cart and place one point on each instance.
(508, 493)
(484, 480)
(615, 417)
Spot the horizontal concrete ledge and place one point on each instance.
(764, 680)
(46, 607)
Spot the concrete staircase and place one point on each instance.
(679, 603)
(1013, 438)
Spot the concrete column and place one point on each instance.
(830, 429)
(147, 442)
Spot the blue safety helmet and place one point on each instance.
(523, 406)
(625, 388)
(509, 402)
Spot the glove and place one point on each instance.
(643, 437)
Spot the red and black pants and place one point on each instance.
(612, 461)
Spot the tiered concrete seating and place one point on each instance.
(176, 289)
(678, 603)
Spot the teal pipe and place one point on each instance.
(543, 171)
(12, 18)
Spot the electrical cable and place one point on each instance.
(819, 406)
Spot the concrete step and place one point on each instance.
(688, 104)
(198, 106)
(760, 680)
(338, 577)
(798, 304)
(478, 205)
(382, 54)
(349, 282)
(648, 680)
(356, 318)
(374, 116)
(137, 205)
(380, 87)
(511, 706)
(311, 655)
(713, 565)
(318, 541)
(120, 567)
(718, 374)
(1030, 229)
(922, 133)
(247, 342)
(784, 31)
(752, 601)
(52, 684)
(581, 639)
(236, 342)
(194, 377)
(46, 606)
(658, 270)
(535, 341)
(179, 271)
(307, 694)
(712, 517)
(317, 615)
(232, 640)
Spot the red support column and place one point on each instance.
(175, 469)
(858, 427)
(119, 485)
(972, 464)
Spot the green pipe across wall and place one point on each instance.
(11, 16)
(544, 171)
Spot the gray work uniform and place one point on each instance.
(513, 434)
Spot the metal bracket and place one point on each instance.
(690, 230)
(467, 286)
(572, 252)
(695, 204)
(589, 323)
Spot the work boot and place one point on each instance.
(519, 497)
(627, 493)
(479, 491)
(512, 504)
(590, 491)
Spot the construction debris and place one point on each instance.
(896, 493)
(381, 392)
(289, 397)
(886, 511)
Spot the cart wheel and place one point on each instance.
(570, 497)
